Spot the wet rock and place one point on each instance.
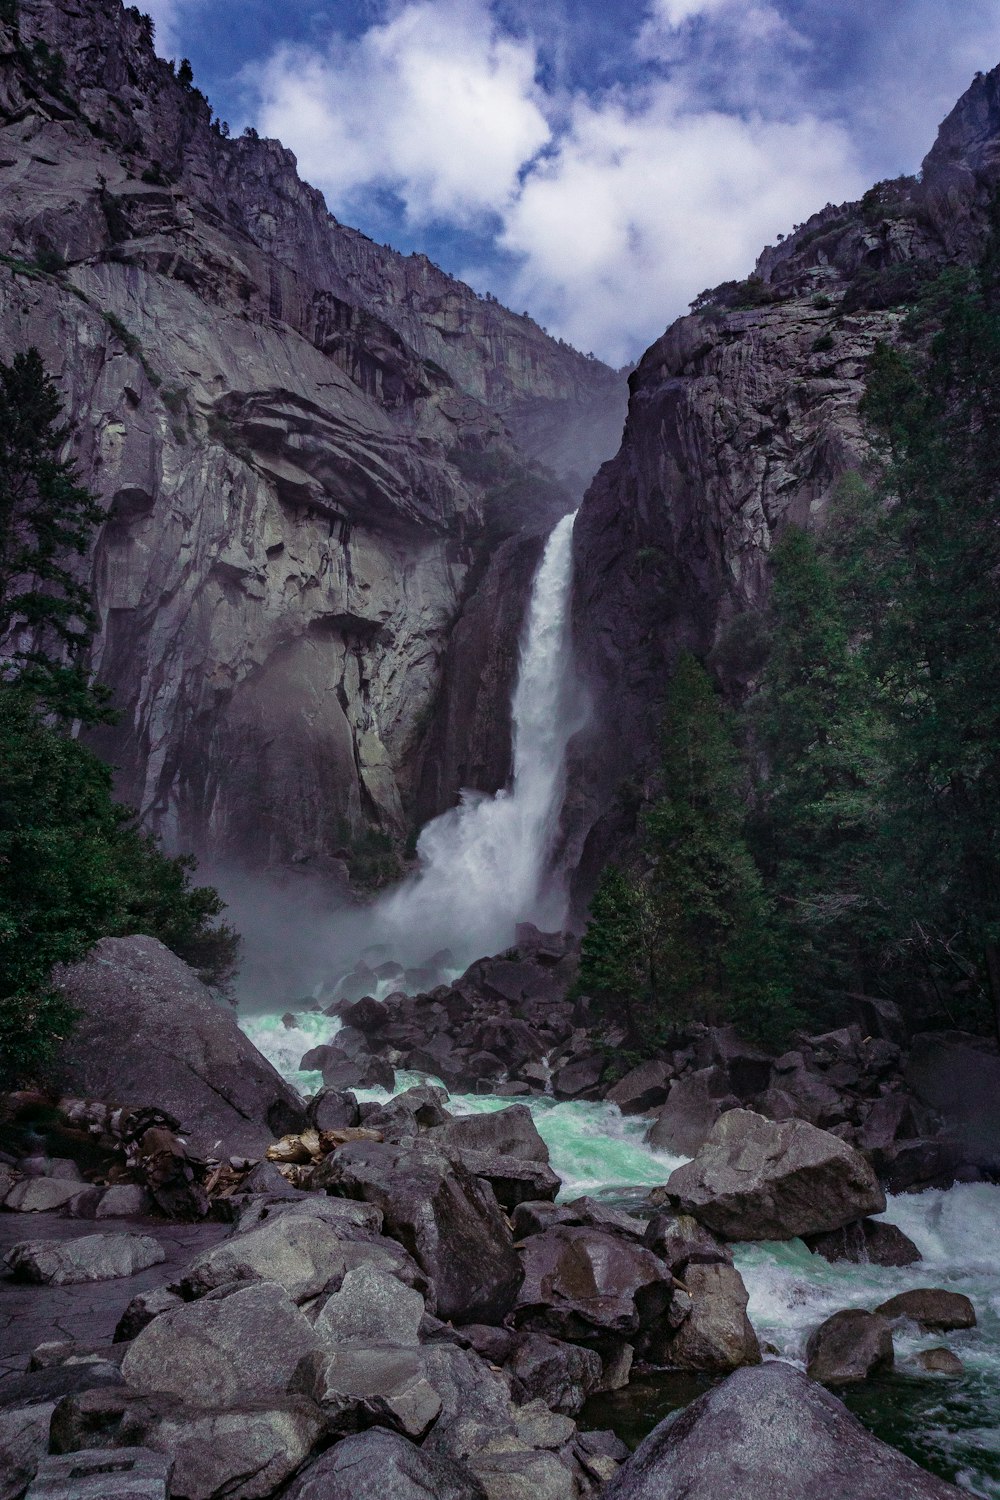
(379, 1465)
(771, 1433)
(371, 1307)
(693, 1105)
(223, 1349)
(330, 1110)
(144, 1307)
(642, 1088)
(344, 1217)
(409, 1113)
(600, 1454)
(888, 1118)
(358, 1073)
(849, 1347)
(243, 1453)
(931, 1307)
(594, 1214)
(940, 1362)
(299, 1252)
(40, 1195)
(758, 1180)
(534, 1217)
(124, 1200)
(579, 1076)
(24, 1442)
(716, 1335)
(93, 1257)
(559, 1374)
(512, 1179)
(475, 1401)
(680, 1240)
(103, 1474)
(194, 1060)
(868, 1242)
(502, 1132)
(361, 1386)
(580, 1283)
(912, 1165)
(507, 1474)
(445, 1217)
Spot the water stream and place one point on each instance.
(483, 868)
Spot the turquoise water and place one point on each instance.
(950, 1425)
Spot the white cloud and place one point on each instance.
(436, 104)
(640, 209)
(166, 17)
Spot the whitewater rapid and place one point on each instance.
(950, 1425)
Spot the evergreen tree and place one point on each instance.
(933, 616)
(46, 520)
(823, 738)
(693, 938)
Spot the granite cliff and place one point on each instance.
(310, 449)
(744, 417)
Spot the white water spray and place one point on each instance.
(484, 864)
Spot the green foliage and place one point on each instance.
(818, 723)
(8, 12)
(823, 344)
(73, 868)
(693, 938)
(46, 519)
(185, 73)
(73, 865)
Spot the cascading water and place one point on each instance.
(484, 864)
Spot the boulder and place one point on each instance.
(103, 1474)
(330, 1110)
(144, 1307)
(581, 1283)
(124, 1200)
(849, 1347)
(364, 1386)
(579, 1076)
(409, 1113)
(371, 1307)
(867, 1242)
(546, 1369)
(642, 1088)
(149, 1032)
(681, 1241)
(446, 1218)
(693, 1105)
(512, 1179)
(502, 1132)
(940, 1362)
(40, 1195)
(380, 1465)
(771, 1433)
(297, 1251)
(716, 1335)
(358, 1073)
(931, 1308)
(222, 1350)
(27, 1406)
(755, 1179)
(92, 1257)
(243, 1453)
(344, 1217)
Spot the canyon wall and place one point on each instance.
(742, 418)
(309, 448)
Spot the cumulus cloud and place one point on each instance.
(166, 17)
(640, 209)
(609, 206)
(436, 104)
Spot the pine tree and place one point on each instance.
(823, 739)
(46, 520)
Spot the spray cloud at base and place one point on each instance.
(483, 866)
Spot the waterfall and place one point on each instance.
(483, 865)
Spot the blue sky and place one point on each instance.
(596, 162)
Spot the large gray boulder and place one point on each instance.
(222, 1350)
(849, 1347)
(149, 1032)
(692, 1108)
(92, 1257)
(445, 1217)
(296, 1251)
(755, 1179)
(583, 1284)
(381, 1465)
(771, 1433)
(716, 1336)
(103, 1474)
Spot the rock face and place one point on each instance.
(772, 1433)
(308, 446)
(146, 1026)
(757, 1180)
(743, 417)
